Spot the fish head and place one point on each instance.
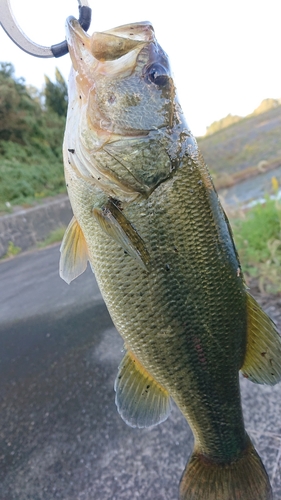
(125, 77)
(122, 84)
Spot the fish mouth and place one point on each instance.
(108, 52)
(117, 42)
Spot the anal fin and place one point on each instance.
(74, 252)
(262, 363)
(116, 225)
(140, 400)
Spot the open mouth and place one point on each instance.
(115, 43)
(109, 52)
(111, 44)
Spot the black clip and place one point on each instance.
(85, 14)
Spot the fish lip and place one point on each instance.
(78, 42)
(73, 30)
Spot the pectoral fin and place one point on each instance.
(140, 400)
(114, 224)
(74, 252)
(262, 363)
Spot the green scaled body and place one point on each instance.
(147, 217)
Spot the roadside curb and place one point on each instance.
(27, 227)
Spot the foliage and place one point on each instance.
(244, 144)
(56, 94)
(31, 137)
(19, 113)
(12, 250)
(227, 121)
(258, 238)
(266, 105)
(223, 123)
(28, 173)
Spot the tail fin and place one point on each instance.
(244, 479)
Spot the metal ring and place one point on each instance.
(14, 31)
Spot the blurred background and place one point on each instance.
(61, 436)
(224, 55)
(225, 61)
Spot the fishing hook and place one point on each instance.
(14, 31)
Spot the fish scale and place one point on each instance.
(148, 218)
(157, 288)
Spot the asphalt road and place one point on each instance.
(60, 434)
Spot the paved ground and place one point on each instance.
(60, 434)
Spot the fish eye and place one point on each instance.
(157, 74)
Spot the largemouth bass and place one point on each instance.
(148, 219)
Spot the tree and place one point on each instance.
(223, 123)
(31, 138)
(266, 105)
(56, 94)
(18, 111)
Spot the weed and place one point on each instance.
(12, 250)
(258, 239)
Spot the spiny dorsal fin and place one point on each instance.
(140, 400)
(114, 224)
(262, 363)
(74, 252)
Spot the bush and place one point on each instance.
(31, 136)
(258, 239)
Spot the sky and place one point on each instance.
(225, 56)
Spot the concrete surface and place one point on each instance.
(26, 227)
(60, 434)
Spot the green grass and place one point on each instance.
(28, 173)
(31, 136)
(12, 251)
(257, 235)
(54, 237)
